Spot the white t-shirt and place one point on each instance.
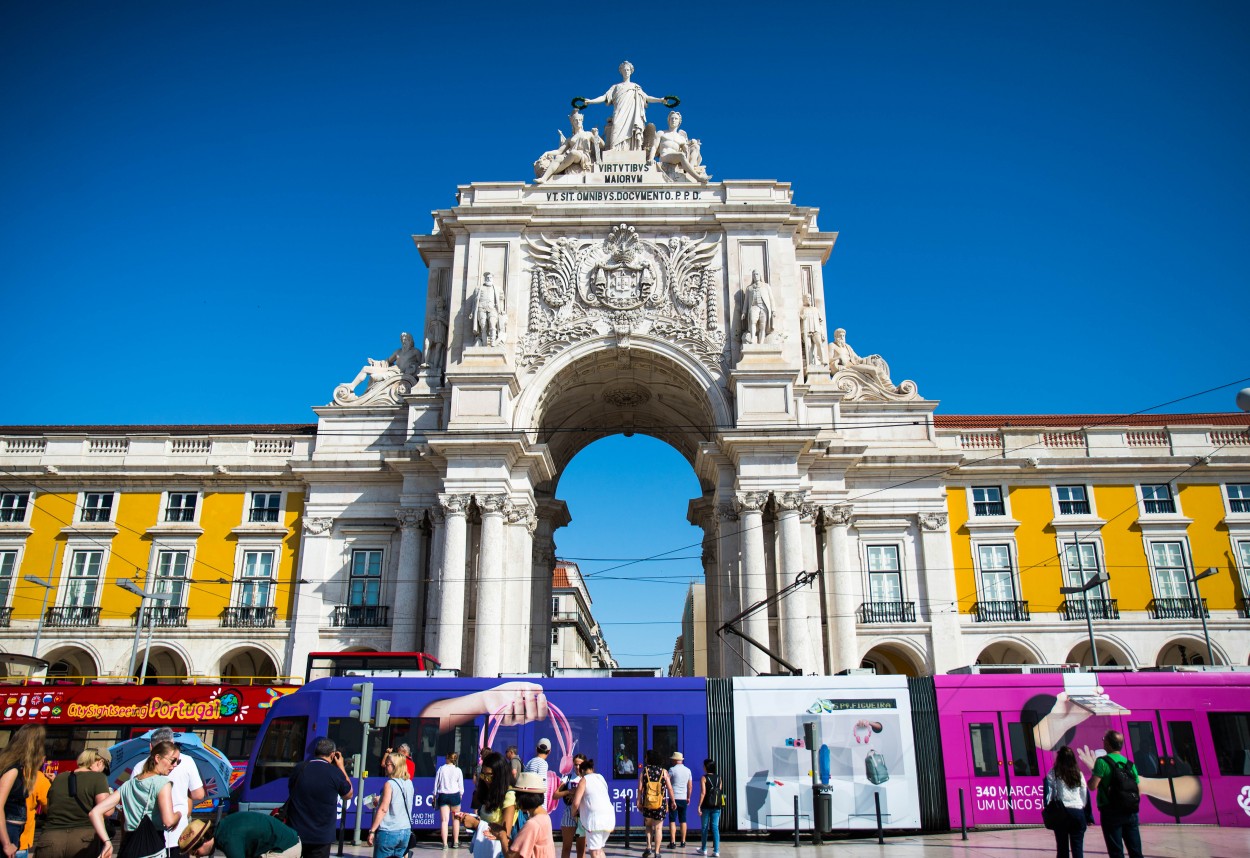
(537, 765)
(680, 776)
(185, 777)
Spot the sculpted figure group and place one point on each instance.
(674, 153)
(384, 375)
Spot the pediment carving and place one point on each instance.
(624, 285)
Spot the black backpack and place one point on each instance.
(713, 797)
(1123, 798)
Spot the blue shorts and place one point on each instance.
(678, 814)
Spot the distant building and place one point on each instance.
(690, 649)
(576, 639)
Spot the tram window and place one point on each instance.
(1023, 749)
(625, 752)
(422, 738)
(1230, 731)
(1141, 739)
(346, 735)
(282, 748)
(664, 743)
(1184, 748)
(984, 754)
(235, 742)
(66, 743)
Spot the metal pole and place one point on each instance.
(143, 677)
(34, 652)
(796, 822)
(1203, 614)
(134, 648)
(963, 820)
(360, 779)
(876, 799)
(1089, 621)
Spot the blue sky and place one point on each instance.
(1039, 204)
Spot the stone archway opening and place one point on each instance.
(247, 666)
(72, 664)
(1185, 650)
(1007, 652)
(165, 666)
(887, 659)
(1109, 654)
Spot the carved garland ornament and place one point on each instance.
(624, 285)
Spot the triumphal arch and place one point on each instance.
(625, 288)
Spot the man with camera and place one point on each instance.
(315, 789)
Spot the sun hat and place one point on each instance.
(676, 755)
(531, 782)
(193, 835)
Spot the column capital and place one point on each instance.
(726, 512)
(750, 501)
(493, 504)
(838, 514)
(409, 517)
(932, 520)
(454, 504)
(522, 513)
(789, 501)
(317, 526)
(808, 512)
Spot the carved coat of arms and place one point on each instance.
(623, 284)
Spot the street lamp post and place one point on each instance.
(1095, 581)
(1193, 580)
(47, 588)
(144, 596)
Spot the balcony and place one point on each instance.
(6, 616)
(575, 618)
(1001, 612)
(249, 618)
(887, 612)
(76, 615)
(163, 617)
(1176, 609)
(1099, 609)
(360, 616)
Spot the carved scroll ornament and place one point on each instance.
(625, 285)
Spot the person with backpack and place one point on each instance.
(711, 803)
(1115, 779)
(655, 792)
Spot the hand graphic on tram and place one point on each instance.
(1064, 716)
(516, 703)
(1088, 756)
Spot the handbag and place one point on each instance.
(1054, 814)
(875, 768)
(282, 812)
(145, 841)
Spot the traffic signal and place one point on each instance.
(363, 702)
(383, 715)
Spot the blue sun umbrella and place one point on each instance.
(214, 768)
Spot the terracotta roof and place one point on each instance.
(1073, 421)
(560, 577)
(179, 429)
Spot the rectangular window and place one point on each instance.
(265, 506)
(281, 749)
(257, 579)
(997, 580)
(1171, 570)
(984, 754)
(1230, 732)
(988, 500)
(555, 606)
(884, 582)
(13, 506)
(1144, 748)
(1243, 551)
(97, 506)
(625, 752)
(1157, 499)
(555, 636)
(1081, 563)
(1072, 500)
(1185, 759)
(1239, 497)
(8, 565)
(180, 506)
(171, 576)
(84, 579)
(1023, 749)
(366, 580)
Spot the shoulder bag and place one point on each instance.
(146, 840)
(1054, 814)
(414, 840)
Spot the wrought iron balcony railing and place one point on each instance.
(1001, 612)
(74, 615)
(887, 612)
(1099, 609)
(6, 616)
(162, 617)
(360, 616)
(1177, 609)
(249, 618)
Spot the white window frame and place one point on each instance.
(555, 606)
(243, 581)
(1070, 579)
(280, 512)
(899, 571)
(14, 572)
(167, 497)
(1002, 501)
(352, 577)
(80, 511)
(72, 550)
(1013, 567)
(157, 582)
(30, 502)
(1187, 566)
(1142, 500)
(1059, 502)
(1241, 556)
(1229, 500)
(555, 635)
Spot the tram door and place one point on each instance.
(1165, 752)
(632, 736)
(1003, 768)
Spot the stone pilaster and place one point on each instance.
(491, 619)
(753, 584)
(842, 590)
(794, 609)
(939, 594)
(451, 576)
(406, 609)
(309, 603)
(519, 590)
(728, 567)
(811, 562)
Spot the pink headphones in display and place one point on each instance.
(564, 738)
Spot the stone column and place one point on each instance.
(308, 606)
(406, 605)
(705, 637)
(939, 594)
(794, 609)
(843, 591)
(451, 577)
(811, 562)
(491, 619)
(520, 588)
(434, 584)
(728, 570)
(754, 585)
